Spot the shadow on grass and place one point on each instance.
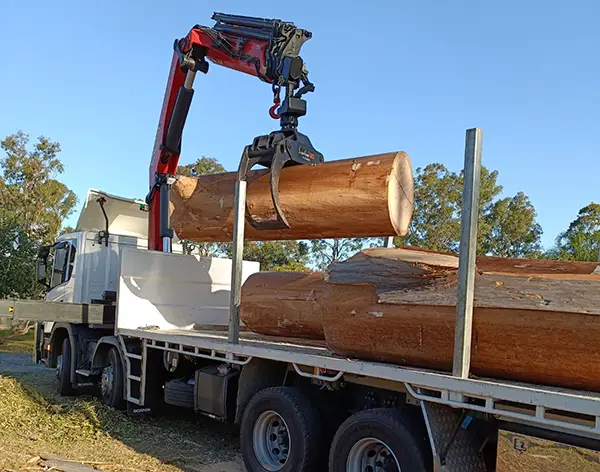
(82, 428)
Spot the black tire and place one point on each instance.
(307, 451)
(111, 381)
(400, 432)
(179, 393)
(63, 369)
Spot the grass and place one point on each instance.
(544, 456)
(34, 422)
(9, 342)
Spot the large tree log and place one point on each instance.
(366, 196)
(534, 321)
(284, 304)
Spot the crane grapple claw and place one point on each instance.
(275, 151)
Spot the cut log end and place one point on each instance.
(401, 192)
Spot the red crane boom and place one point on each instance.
(267, 49)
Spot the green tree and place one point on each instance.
(276, 255)
(326, 251)
(202, 166)
(29, 191)
(66, 230)
(506, 227)
(581, 241)
(511, 229)
(435, 224)
(33, 206)
(17, 260)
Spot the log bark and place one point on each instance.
(284, 304)
(366, 196)
(534, 321)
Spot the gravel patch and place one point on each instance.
(14, 363)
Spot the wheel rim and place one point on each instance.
(106, 381)
(271, 441)
(372, 455)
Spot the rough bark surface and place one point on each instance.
(408, 276)
(284, 304)
(365, 196)
(534, 321)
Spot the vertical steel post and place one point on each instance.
(468, 248)
(238, 250)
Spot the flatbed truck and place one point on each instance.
(144, 329)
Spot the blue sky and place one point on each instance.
(390, 75)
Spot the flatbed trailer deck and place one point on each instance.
(564, 410)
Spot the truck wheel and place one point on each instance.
(179, 393)
(281, 431)
(111, 381)
(378, 440)
(63, 369)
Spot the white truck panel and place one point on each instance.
(171, 291)
(101, 264)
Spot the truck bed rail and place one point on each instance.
(564, 410)
(42, 310)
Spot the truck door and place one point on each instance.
(63, 266)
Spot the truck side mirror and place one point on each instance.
(41, 265)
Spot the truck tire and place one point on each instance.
(111, 381)
(379, 439)
(282, 431)
(179, 393)
(63, 369)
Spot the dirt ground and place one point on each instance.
(38, 427)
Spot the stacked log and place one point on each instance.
(285, 304)
(534, 321)
(367, 196)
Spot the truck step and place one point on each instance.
(84, 372)
(134, 377)
(133, 356)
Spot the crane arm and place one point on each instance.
(267, 49)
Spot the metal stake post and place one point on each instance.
(468, 249)
(238, 251)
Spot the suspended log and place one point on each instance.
(534, 321)
(366, 196)
(284, 304)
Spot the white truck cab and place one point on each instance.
(83, 267)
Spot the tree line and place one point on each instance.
(34, 204)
